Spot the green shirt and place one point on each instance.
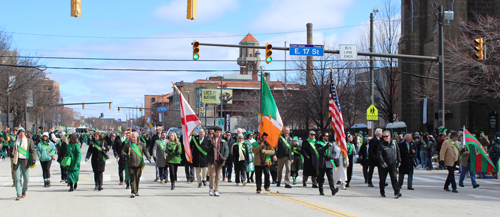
(350, 148)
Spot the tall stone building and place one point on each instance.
(419, 36)
(249, 59)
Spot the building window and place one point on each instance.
(250, 55)
(153, 100)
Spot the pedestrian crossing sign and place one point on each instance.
(372, 113)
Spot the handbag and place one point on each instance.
(66, 161)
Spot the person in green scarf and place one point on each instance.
(250, 166)
(73, 169)
(297, 159)
(46, 152)
(134, 152)
(174, 151)
(351, 151)
(240, 159)
(311, 156)
(23, 157)
(98, 149)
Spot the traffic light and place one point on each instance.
(118, 109)
(140, 110)
(83, 105)
(109, 105)
(76, 8)
(92, 120)
(196, 50)
(269, 53)
(191, 10)
(197, 110)
(479, 48)
(201, 109)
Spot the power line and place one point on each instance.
(178, 37)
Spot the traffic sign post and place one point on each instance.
(307, 50)
(348, 52)
(372, 113)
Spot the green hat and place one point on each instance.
(248, 133)
(295, 138)
(442, 130)
(67, 134)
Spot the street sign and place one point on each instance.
(372, 113)
(162, 109)
(307, 50)
(221, 122)
(369, 125)
(348, 52)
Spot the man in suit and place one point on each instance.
(364, 157)
(134, 152)
(372, 155)
(284, 153)
(199, 147)
(23, 156)
(117, 150)
(407, 153)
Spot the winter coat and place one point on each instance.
(448, 154)
(44, 154)
(75, 154)
(260, 158)
(134, 160)
(61, 151)
(388, 154)
(222, 151)
(98, 163)
(297, 158)
(200, 159)
(310, 159)
(372, 151)
(174, 156)
(282, 150)
(240, 165)
(325, 158)
(407, 157)
(159, 154)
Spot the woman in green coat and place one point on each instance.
(73, 169)
(297, 159)
(174, 151)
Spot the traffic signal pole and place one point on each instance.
(372, 54)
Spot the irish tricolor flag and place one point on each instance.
(270, 119)
(479, 159)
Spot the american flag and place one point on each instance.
(336, 115)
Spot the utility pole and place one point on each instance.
(441, 65)
(285, 72)
(372, 76)
(221, 97)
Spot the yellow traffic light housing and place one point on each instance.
(479, 48)
(83, 105)
(140, 109)
(201, 109)
(76, 8)
(269, 53)
(191, 9)
(196, 50)
(109, 105)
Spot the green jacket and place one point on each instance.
(73, 151)
(44, 154)
(134, 160)
(174, 157)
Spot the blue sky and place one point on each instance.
(118, 22)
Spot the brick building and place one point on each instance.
(419, 36)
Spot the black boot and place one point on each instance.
(128, 184)
(71, 187)
(321, 190)
(76, 185)
(96, 187)
(100, 188)
(48, 183)
(172, 185)
(44, 183)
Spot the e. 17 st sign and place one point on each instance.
(307, 50)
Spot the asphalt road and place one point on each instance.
(428, 198)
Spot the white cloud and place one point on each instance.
(282, 15)
(207, 10)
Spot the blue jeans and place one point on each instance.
(26, 174)
(423, 159)
(462, 175)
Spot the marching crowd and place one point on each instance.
(216, 154)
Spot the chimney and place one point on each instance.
(309, 71)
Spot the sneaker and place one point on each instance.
(288, 186)
(216, 194)
(454, 191)
(268, 189)
(398, 196)
(132, 195)
(211, 192)
(244, 183)
(335, 191)
(18, 198)
(199, 185)
(476, 186)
